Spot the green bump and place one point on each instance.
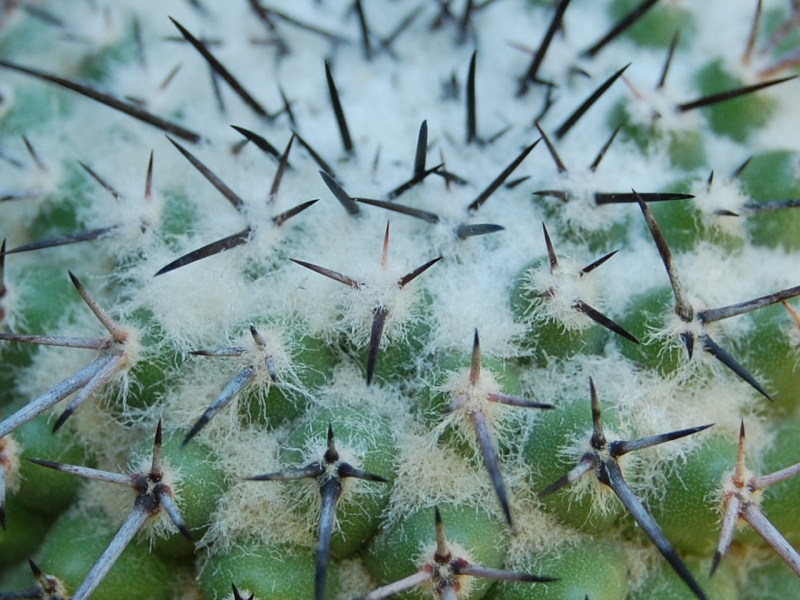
(313, 361)
(685, 149)
(688, 506)
(25, 530)
(684, 224)
(31, 108)
(358, 512)
(397, 552)
(46, 297)
(553, 434)
(773, 580)
(158, 360)
(665, 584)
(74, 545)
(60, 210)
(771, 176)
(646, 313)
(107, 59)
(433, 399)
(781, 501)
(740, 117)
(269, 572)
(178, 218)
(46, 490)
(770, 351)
(548, 339)
(592, 568)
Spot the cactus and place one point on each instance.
(448, 300)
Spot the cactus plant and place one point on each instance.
(271, 234)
